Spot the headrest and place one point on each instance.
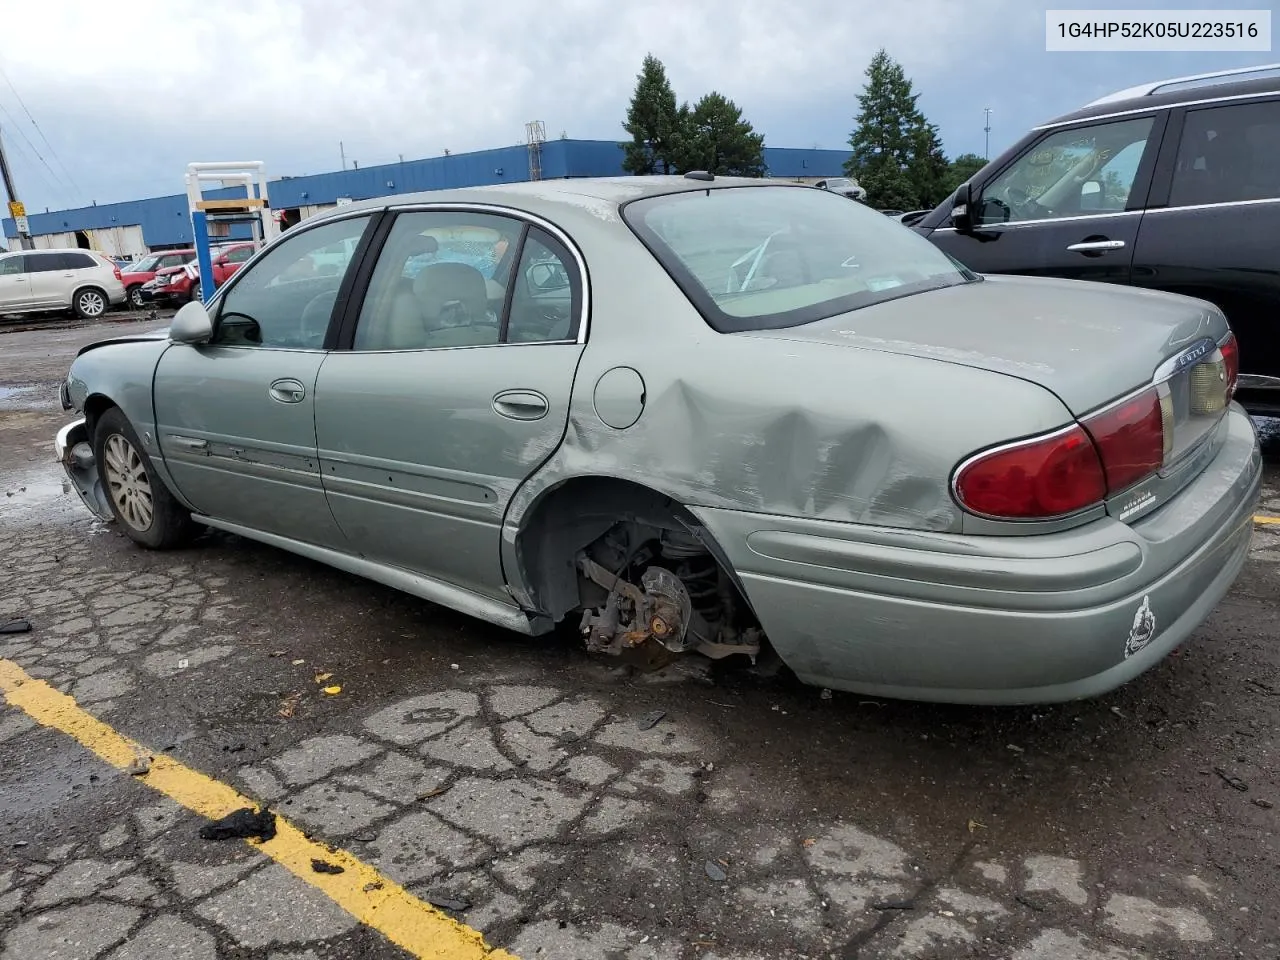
(451, 292)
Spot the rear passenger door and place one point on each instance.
(453, 387)
(1213, 230)
(1068, 206)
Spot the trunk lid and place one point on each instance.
(1091, 344)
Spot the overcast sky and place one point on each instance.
(125, 95)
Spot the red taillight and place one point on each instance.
(1034, 480)
(1130, 438)
(116, 270)
(1231, 360)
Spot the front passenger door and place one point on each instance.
(1069, 206)
(235, 417)
(15, 284)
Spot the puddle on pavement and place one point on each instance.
(36, 494)
(29, 397)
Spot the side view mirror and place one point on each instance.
(191, 324)
(962, 208)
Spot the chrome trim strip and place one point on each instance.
(1212, 206)
(1020, 224)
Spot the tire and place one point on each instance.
(134, 295)
(140, 501)
(193, 295)
(90, 303)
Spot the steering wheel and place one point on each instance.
(313, 322)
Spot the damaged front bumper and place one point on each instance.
(75, 453)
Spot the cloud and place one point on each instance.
(128, 95)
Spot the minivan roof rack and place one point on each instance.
(1197, 79)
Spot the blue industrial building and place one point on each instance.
(132, 227)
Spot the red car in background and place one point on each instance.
(181, 284)
(135, 275)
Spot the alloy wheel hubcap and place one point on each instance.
(91, 304)
(128, 483)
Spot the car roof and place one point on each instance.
(1151, 97)
(568, 193)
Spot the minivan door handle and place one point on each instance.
(521, 405)
(1096, 246)
(287, 390)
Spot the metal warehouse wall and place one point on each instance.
(164, 220)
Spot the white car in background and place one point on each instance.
(81, 281)
(843, 185)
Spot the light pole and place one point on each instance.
(986, 152)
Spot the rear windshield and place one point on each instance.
(756, 258)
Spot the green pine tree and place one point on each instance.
(896, 155)
(653, 122)
(961, 169)
(717, 139)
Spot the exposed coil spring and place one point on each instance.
(701, 577)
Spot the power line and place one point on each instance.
(13, 125)
(52, 152)
(52, 188)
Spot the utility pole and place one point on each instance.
(986, 153)
(343, 151)
(16, 209)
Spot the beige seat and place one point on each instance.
(448, 306)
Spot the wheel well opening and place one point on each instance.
(620, 525)
(94, 407)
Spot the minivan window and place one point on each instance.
(1069, 173)
(44, 262)
(1227, 154)
(755, 258)
(76, 261)
(10, 266)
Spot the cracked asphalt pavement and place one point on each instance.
(510, 783)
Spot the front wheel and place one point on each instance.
(135, 297)
(147, 511)
(90, 303)
(193, 295)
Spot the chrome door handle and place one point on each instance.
(521, 405)
(1096, 246)
(191, 443)
(287, 390)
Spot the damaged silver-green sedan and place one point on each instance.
(700, 416)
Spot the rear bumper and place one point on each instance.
(991, 620)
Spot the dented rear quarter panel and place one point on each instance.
(762, 424)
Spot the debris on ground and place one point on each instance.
(434, 793)
(289, 706)
(447, 903)
(322, 677)
(331, 691)
(716, 872)
(241, 824)
(140, 767)
(18, 625)
(298, 663)
(975, 825)
(1232, 781)
(1264, 804)
(1017, 749)
(894, 905)
(321, 866)
(650, 719)
(826, 693)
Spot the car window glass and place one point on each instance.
(544, 301)
(1227, 154)
(240, 255)
(280, 301)
(43, 262)
(10, 266)
(439, 282)
(1069, 173)
(753, 258)
(77, 261)
(175, 260)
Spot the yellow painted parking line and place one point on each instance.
(362, 891)
(1270, 521)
